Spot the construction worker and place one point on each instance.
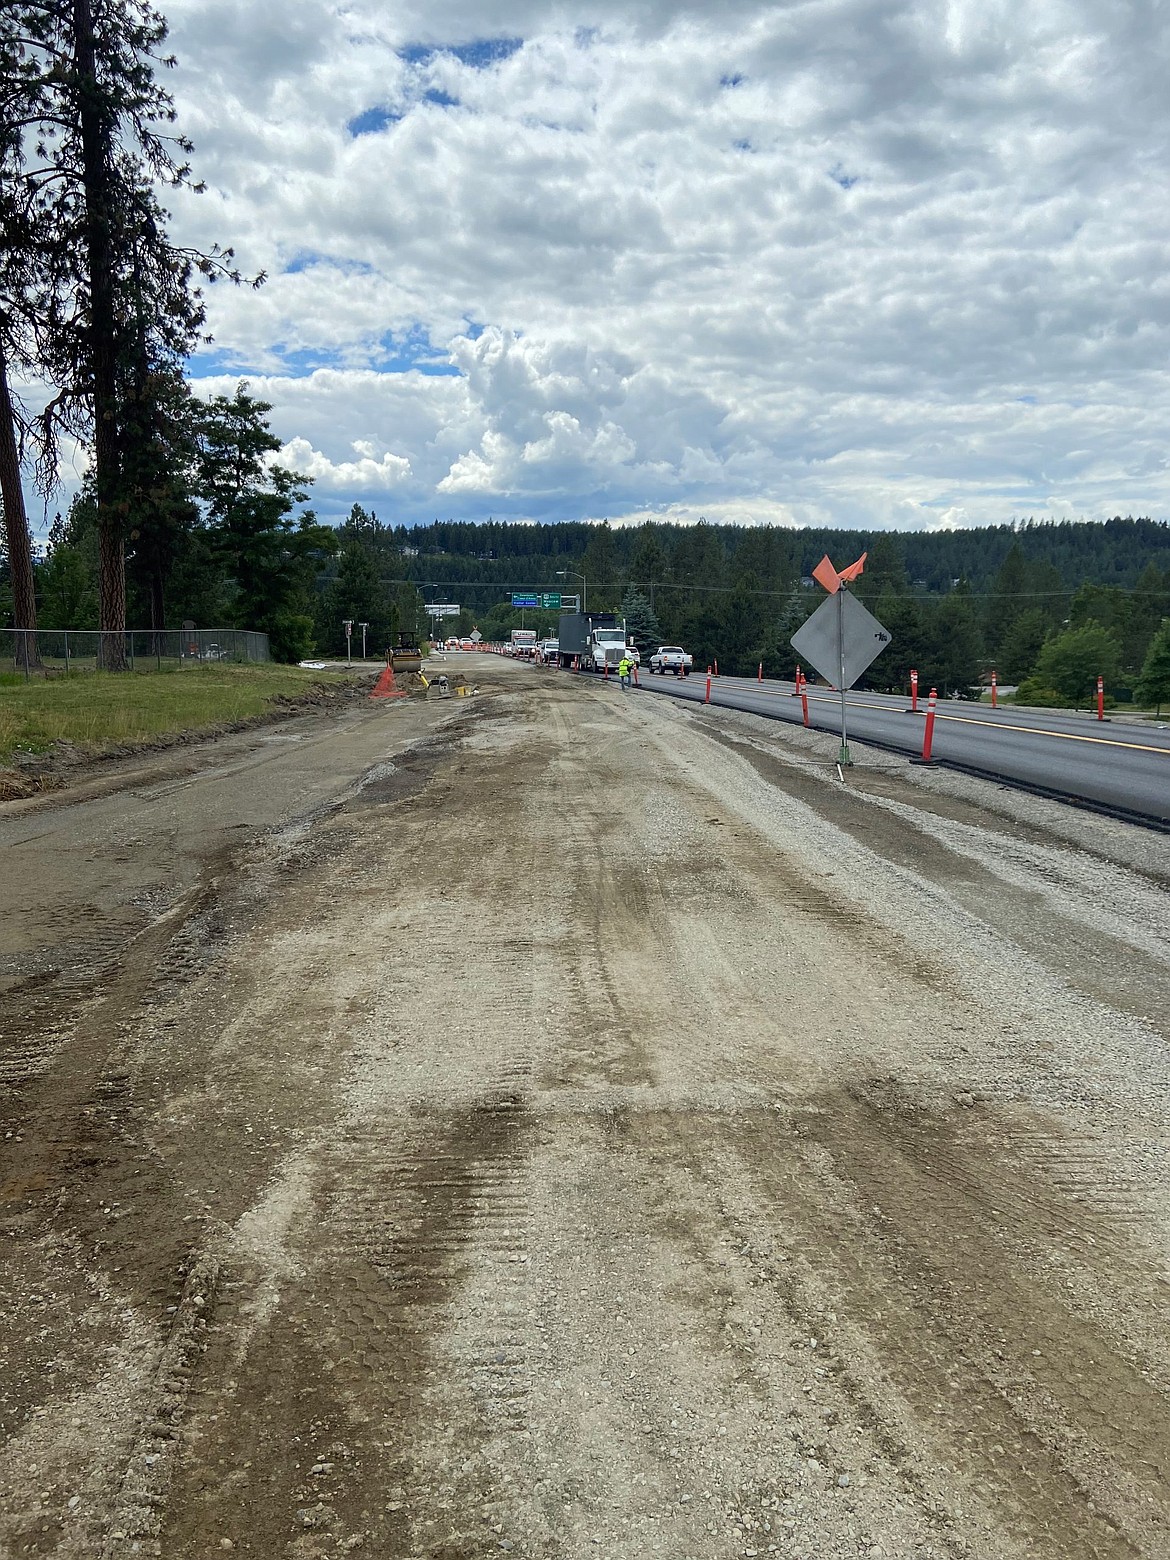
(625, 667)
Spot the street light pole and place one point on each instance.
(575, 574)
(363, 627)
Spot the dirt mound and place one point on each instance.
(15, 787)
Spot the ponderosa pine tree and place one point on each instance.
(270, 555)
(15, 252)
(105, 299)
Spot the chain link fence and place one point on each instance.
(36, 651)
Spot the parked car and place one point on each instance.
(671, 658)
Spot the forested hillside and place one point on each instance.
(957, 603)
(1056, 604)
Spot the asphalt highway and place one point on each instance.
(1122, 768)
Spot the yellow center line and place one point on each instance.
(970, 720)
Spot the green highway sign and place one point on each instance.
(551, 599)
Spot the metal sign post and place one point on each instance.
(363, 627)
(348, 625)
(843, 758)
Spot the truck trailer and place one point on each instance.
(594, 641)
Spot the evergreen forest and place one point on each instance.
(186, 515)
(1047, 606)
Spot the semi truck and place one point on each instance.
(595, 641)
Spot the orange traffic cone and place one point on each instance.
(385, 687)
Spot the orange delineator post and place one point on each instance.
(928, 734)
(994, 691)
(707, 700)
(1100, 698)
(717, 668)
(804, 703)
(913, 692)
(760, 673)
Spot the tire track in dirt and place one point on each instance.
(404, 1207)
(915, 1335)
(333, 1397)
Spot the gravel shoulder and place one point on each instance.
(572, 1124)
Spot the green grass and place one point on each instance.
(97, 710)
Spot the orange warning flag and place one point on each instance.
(825, 574)
(853, 570)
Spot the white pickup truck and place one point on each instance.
(671, 658)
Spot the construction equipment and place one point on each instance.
(406, 656)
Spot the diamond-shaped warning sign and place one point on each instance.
(841, 639)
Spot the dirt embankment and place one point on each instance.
(564, 1123)
(67, 763)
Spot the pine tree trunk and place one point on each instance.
(20, 563)
(96, 152)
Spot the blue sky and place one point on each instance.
(890, 265)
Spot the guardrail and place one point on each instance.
(34, 652)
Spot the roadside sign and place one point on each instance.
(570, 603)
(475, 636)
(523, 598)
(550, 600)
(841, 639)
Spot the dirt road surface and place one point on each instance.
(568, 1124)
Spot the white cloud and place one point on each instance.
(852, 263)
(364, 475)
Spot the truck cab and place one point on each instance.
(607, 646)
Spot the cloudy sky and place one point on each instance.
(846, 262)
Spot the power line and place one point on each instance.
(731, 590)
